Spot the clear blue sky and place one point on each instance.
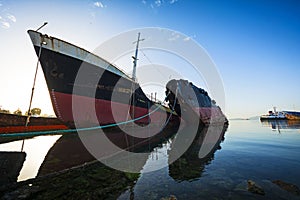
(254, 44)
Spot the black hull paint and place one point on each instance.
(60, 72)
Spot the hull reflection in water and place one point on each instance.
(69, 151)
(70, 171)
(191, 164)
(35, 150)
(10, 166)
(282, 124)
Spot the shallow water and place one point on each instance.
(252, 150)
(35, 149)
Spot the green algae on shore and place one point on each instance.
(92, 181)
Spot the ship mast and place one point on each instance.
(133, 84)
(135, 57)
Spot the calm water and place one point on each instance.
(251, 150)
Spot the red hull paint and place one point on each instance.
(103, 112)
(210, 114)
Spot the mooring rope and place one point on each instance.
(34, 81)
(58, 132)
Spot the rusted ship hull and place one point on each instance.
(9, 120)
(193, 104)
(114, 98)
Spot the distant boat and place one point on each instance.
(292, 115)
(273, 115)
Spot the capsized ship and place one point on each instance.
(61, 62)
(192, 103)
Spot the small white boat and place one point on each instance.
(273, 115)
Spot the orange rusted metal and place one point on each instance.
(18, 129)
